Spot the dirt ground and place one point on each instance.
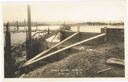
(86, 62)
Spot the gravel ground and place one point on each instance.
(87, 62)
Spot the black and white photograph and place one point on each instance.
(64, 39)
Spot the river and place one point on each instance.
(20, 37)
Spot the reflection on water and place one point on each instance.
(21, 36)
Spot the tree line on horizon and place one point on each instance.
(22, 24)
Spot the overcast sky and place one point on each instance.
(88, 10)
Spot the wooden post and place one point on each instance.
(65, 48)
(48, 30)
(29, 40)
(7, 57)
(36, 27)
(78, 30)
(105, 31)
(24, 25)
(17, 25)
(61, 34)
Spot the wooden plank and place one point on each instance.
(50, 54)
(104, 70)
(37, 56)
(116, 61)
(52, 39)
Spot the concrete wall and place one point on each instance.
(81, 36)
(113, 35)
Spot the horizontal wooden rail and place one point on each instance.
(50, 54)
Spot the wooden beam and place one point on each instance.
(8, 44)
(8, 61)
(41, 54)
(29, 22)
(50, 54)
(52, 39)
(104, 70)
(29, 39)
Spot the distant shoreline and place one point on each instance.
(22, 24)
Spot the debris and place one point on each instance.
(116, 61)
(82, 48)
(22, 75)
(90, 50)
(104, 70)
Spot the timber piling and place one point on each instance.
(9, 71)
(29, 39)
